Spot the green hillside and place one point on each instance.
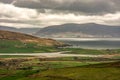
(12, 42)
(35, 69)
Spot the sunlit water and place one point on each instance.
(93, 43)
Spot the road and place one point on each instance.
(55, 54)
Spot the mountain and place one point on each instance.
(89, 30)
(21, 30)
(25, 38)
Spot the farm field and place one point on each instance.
(66, 68)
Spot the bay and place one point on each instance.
(92, 43)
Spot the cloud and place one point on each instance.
(11, 15)
(7, 10)
(6, 1)
(96, 7)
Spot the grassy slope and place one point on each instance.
(36, 69)
(43, 66)
(13, 42)
(80, 73)
(76, 73)
(102, 71)
(13, 46)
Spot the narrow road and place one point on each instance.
(55, 54)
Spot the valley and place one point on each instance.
(59, 39)
(24, 57)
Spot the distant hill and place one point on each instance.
(89, 30)
(21, 30)
(25, 38)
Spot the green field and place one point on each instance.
(64, 68)
(75, 73)
(58, 69)
(6, 56)
(91, 51)
(14, 46)
(30, 67)
(78, 74)
(11, 46)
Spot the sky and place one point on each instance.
(43, 13)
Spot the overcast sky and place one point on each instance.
(42, 13)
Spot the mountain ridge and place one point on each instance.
(21, 30)
(72, 30)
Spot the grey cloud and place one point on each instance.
(11, 21)
(82, 6)
(32, 13)
(6, 1)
